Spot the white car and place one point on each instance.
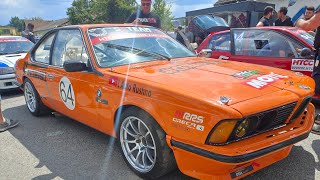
(12, 48)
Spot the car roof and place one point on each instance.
(10, 37)
(277, 28)
(86, 26)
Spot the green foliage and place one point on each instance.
(79, 12)
(100, 11)
(163, 10)
(16, 22)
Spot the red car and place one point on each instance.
(282, 47)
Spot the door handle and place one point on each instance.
(50, 76)
(224, 57)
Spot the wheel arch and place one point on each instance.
(123, 108)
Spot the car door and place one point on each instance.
(73, 93)
(36, 70)
(262, 46)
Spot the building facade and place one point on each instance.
(8, 31)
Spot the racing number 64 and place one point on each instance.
(66, 93)
(65, 97)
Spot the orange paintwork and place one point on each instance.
(193, 85)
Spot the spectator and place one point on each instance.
(145, 16)
(309, 13)
(310, 24)
(266, 19)
(189, 35)
(307, 25)
(6, 124)
(179, 35)
(28, 33)
(283, 20)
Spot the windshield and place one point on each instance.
(116, 46)
(305, 36)
(207, 21)
(14, 46)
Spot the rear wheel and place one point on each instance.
(143, 144)
(33, 101)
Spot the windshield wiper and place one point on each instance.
(138, 50)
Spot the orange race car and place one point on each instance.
(213, 119)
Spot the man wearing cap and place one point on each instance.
(145, 16)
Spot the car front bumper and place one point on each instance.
(205, 162)
(8, 81)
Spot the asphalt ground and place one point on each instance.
(52, 147)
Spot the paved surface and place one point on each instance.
(60, 148)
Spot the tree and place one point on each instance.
(79, 12)
(100, 11)
(16, 22)
(163, 10)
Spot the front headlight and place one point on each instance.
(231, 130)
(6, 70)
(222, 132)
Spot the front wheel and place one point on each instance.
(143, 145)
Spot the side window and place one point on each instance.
(69, 46)
(297, 48)
(42, 54)
(262, 43)
(220, 43)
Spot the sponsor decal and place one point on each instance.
(188, 66)
(140, 29)
(121, 84)
(117, 36)
(99, 35)
(191, 121)
(36, 74)
(264, 80)
(302, 65)
(147, 20)
(13, 40)
(245, 74)
(241, 172)
(66, 93)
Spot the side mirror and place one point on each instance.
(205, 53)
(194, 45)
(306, 53)
(74, 66)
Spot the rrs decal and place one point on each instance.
(66, 93)
(191, 121)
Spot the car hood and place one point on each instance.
(9, 60)
(211, 79)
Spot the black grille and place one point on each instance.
(264, 121)
(274, 117)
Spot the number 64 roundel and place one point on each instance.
(66, 93)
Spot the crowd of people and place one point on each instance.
(283, 19)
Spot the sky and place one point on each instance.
(56, 9)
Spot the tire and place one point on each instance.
(151, 163)
(33, 101)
